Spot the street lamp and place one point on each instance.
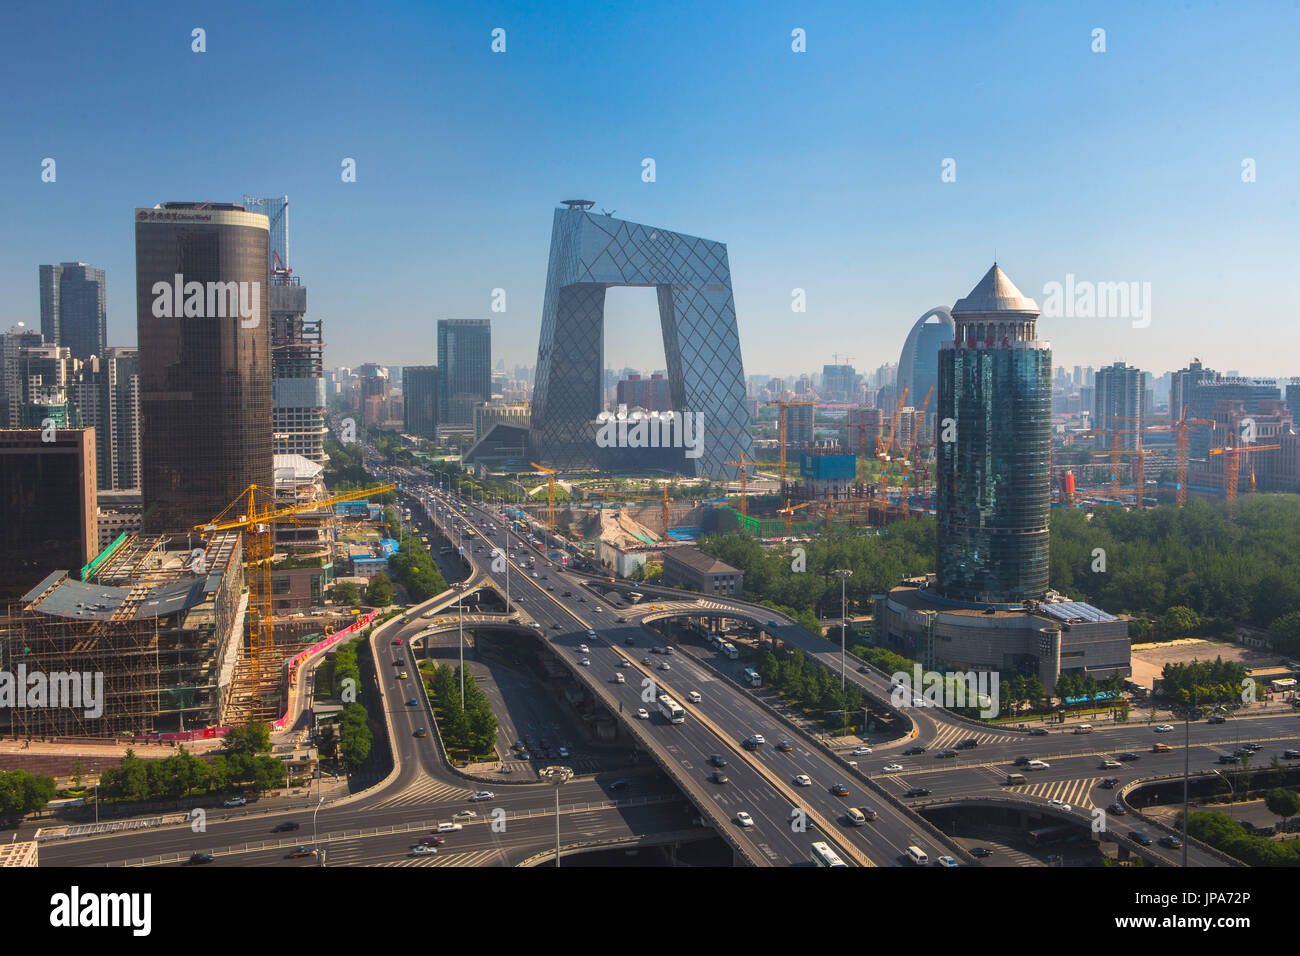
(314, 839)
(557, 777)
(843, 574)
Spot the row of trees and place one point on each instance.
(355, 738)
(22, 792)
(468, 731)
(808, 684)
(415, 570)
(1222, 832)
(244, 765)
(1203, 682)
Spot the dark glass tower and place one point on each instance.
(73, 312)
(464, 368)
(205, 374)
(994, 486)
(420, 400)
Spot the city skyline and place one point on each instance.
(864, 246)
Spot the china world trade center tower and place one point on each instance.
(994, 483)
(697, 314)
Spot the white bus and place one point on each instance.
(752, 677)
(672, 710)
(730, 650)
(823, 855)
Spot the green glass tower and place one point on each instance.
(994, 449)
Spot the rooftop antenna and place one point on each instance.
(578, 203)
(608, 212)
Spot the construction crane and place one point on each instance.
(1232, 465)
(744, 482)
(915, 453)
(254, 515)
(788, 511)
(663, 499)
(1181, 429)
(550, 495)
(781, 431)
(884, 452)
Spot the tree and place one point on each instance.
(379, 593)
(1282, 803)
(346, 592)
(1179, 621)
(22, 792)
(249, 739)
(329, 743)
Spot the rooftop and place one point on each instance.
(700, 561)
(995, 293)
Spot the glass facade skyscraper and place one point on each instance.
(918, 364)
(464, 368)
(73, 312)
(205, 378)
(697, 313)
(994, 485)
(420, 400)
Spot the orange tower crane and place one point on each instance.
(255, 513)
(782, 405)
(1232, 466)
(788, 511)
(744, 480)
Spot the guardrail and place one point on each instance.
(1201, 845)
(537, 859)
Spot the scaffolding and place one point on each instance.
(145, 645)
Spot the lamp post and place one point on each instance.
(843, 574)
(556, 777)
(314, 838)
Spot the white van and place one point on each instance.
(694, 697)
(618, 679)
(858, 817)
(1038, 765)
(1083, 729)
(917, 856)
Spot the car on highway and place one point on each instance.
(1127, 756)
(197, 858)
(624, 662)
(839, 790)
(1250, 747)
(585, 662)
(422, 849)
(864, 669)
(1038, 765)
(619, 678)
(1165, 729)
(1291, 754)
(718, 777)
(620, 785)
(773, 623)
(1059, 804)
(1171, 841)
(646, 660)
(946, 861)
(981, 852)
(302, 851)
(629, 642)
(861, 751)
(803, 780)
(1161, 749)
(403, 675)
(718, 760)
(397, 641)
(968, 744)
(694, 697)
(448, 827)
(756, 739)
(744, 819)
(482, 795)
(785, 746)
(235, 802)
(945, 754)
(411, 702)
(1140, 838)
(584, 649)
(913, 751)
(1117, 808)
(1021, 761)
(286, 826)
(1229, 758)
(1216, 719)
(555, 627)
(665, 666)
(433, 840)
(1109, 783)
(642, 713)
(1109, 764)
(1038, 731)
(622, 620)
(893, 768)
(464, 815)
(918, 792)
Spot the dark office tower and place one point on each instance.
(994, 488)
(1117, 403)
(420, 400)
(73, 312)
(203, 326)
(47, 505)
(1181, 384)
(918, 365)
(464, 368)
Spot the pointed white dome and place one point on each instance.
(995, 293)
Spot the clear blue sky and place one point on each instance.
(820, 170)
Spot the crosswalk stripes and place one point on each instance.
(1077, 792)
(468, 858)
(950, 735)
(426, 791)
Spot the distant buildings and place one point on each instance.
(464, 368)
(205, 374)
(648, 393)
(839, 383)
(918, 365)
(1118, 404)
(107, 395)
(73, 313)
(695, 570)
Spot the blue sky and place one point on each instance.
(820, 170)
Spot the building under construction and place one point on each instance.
(160, 618)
